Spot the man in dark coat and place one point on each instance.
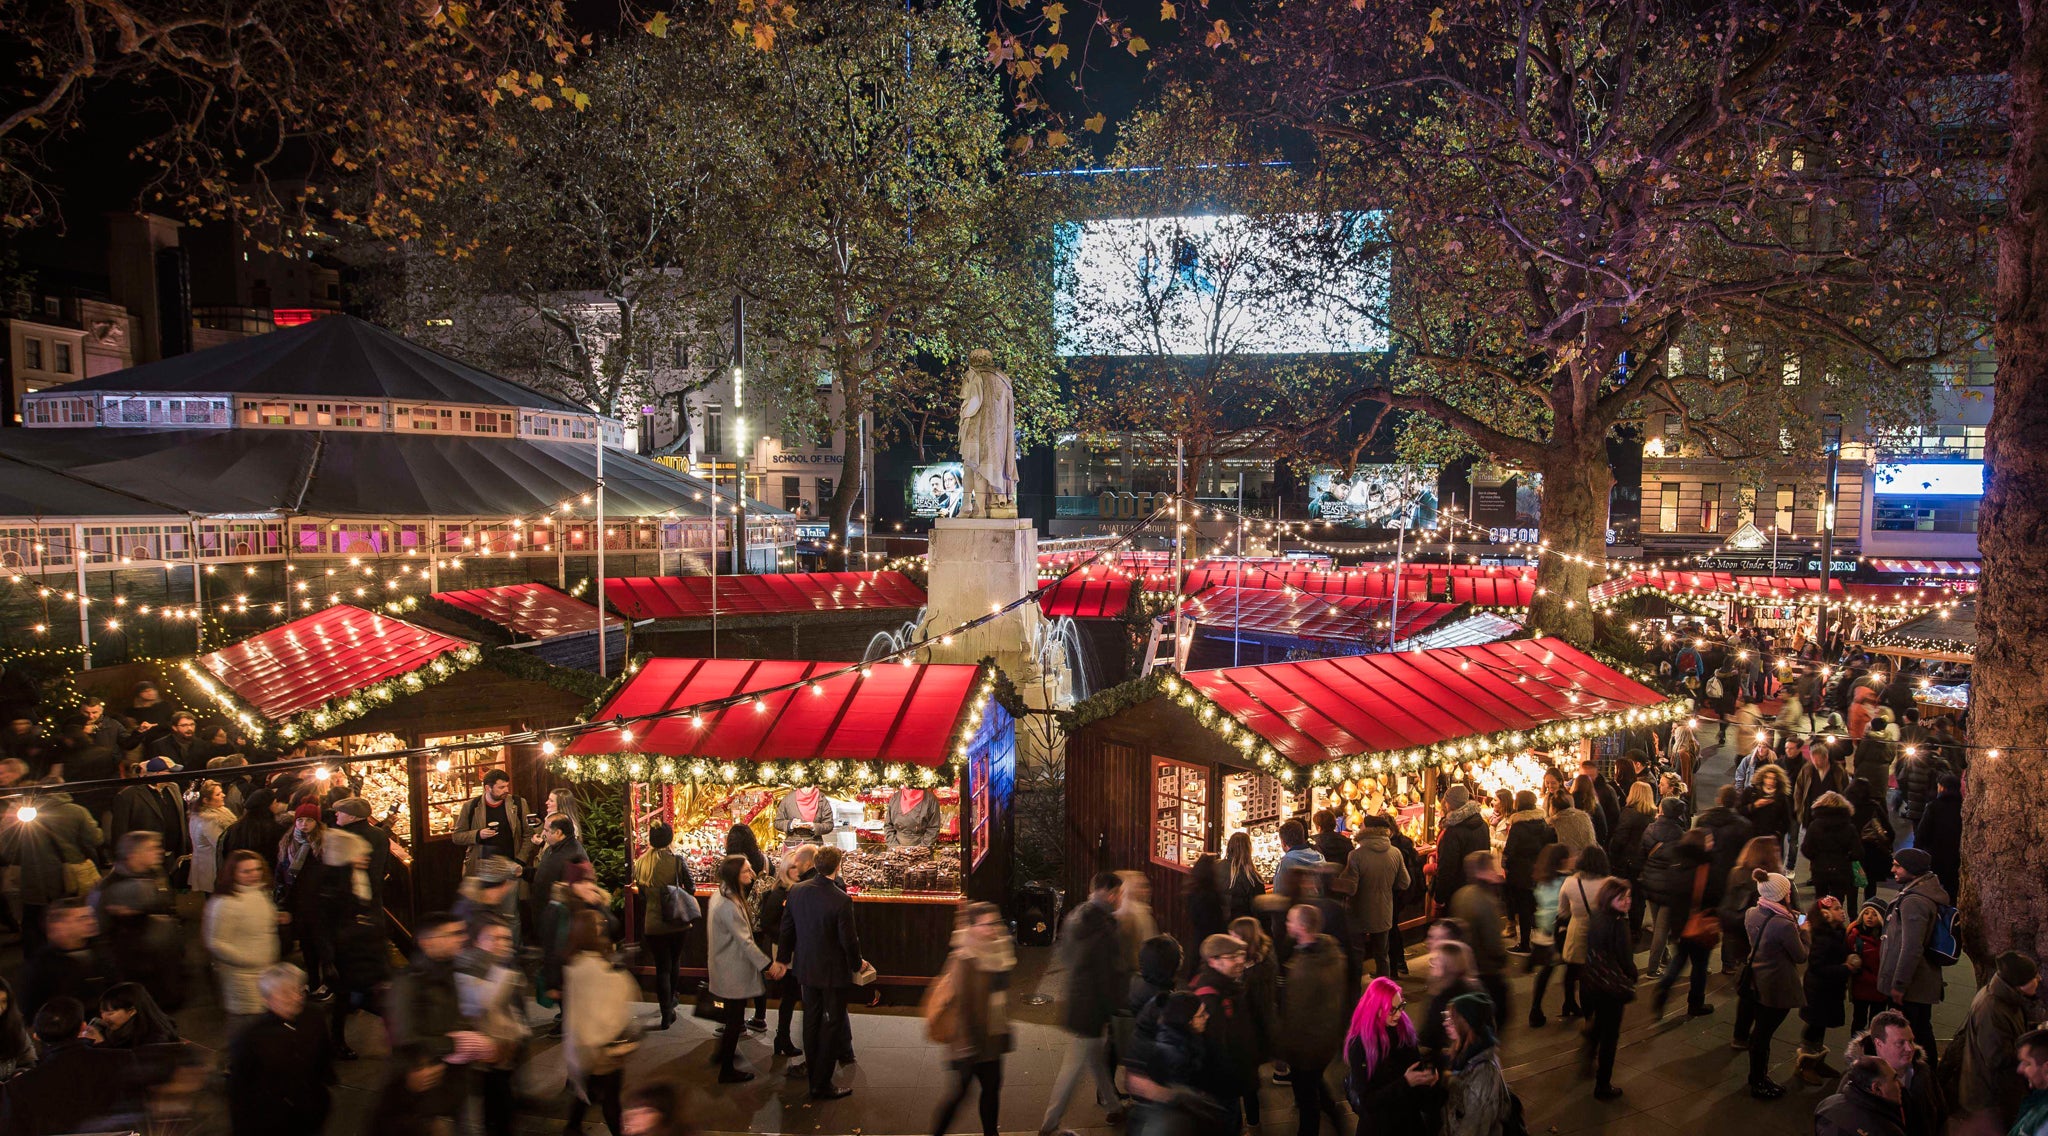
(1097, 984)
(1464, 832)
(818, 934)
(559, 849)
(352, 815)
(1920, 1094)
(280, 1067)
(432, 1042)
(1940, 832)
(181, 747)
(70, 963)
(1730, 830)
(1603, 791)
(159, 808)
(1230, 1040)
(61, 834)
(1528, 834)
(76, 1086)
(1867, 1105)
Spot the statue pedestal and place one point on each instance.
(977, 563)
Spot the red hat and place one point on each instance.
(307, 809)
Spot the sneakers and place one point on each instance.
(1766, 1090)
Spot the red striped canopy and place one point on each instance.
(776, 593)
(1101, 595)
(535, 611)
(332, 654)
(1494, 591)
(1309, 615)
(1322, 709)
(891, 713)
(1341, 582)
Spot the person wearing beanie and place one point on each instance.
(1464, 832)
(1982, 1063)
(353, 815)
(1778, 947)
(297, 870)
(1476, 1097)
(1905, 976)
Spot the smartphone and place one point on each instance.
(1802, 920)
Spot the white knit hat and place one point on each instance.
(1774, 887)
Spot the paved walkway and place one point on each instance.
(1674, 1074)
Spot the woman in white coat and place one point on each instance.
(209, 820)
(735, 963)
(598, 1027)
(241, 935)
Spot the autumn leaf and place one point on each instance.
(764, 36)
(1054, 139)
(1218, 35)
(1053, 12)
(1167, 11)
(1095, 123)
(658, 26)
(1056, 54)
(1137, 44)
(542, 102)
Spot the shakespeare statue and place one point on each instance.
(988, 439)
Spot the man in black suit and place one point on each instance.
(817, 932)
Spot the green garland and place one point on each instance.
(321, 718)
(1005, 692)
(1112, 701)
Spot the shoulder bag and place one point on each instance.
(1702, 927)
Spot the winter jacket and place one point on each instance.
(151, 808)
(1261, 1000)
(1830, 844)
(1660, 847)
(1768, 816)
(1827, 975)
(1810, 783)
(597, 1008)
(1861, 706)
(1917, 777)
(1672, 884)
(206, 827)
(1477, 906)
(1926, 1110)
(1230, 1040)
(1314, 1010)
(981, 983)
(1575, 830)
(1097, 982)
(1464, 832)
(1610, 955)
(1858, 1112)
(1731, 830)
(1386, 1104)
(1873, 830)
(1476, 1097)
(1870, 948)
(1382, 875)
(1776, 950)
(1528, 835)
(1940, 835)
(1208, 913)
(469, 823)
(1980, 1068)
(241, 937)
(1575, 902)
(734, 961)
(421, 1010)
(1243, 890)
(1625, 845)
(350, 920)
(1904, 973)
(379, 839)
(62, 833)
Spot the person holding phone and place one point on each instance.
(493, 823)
(1392, 1087)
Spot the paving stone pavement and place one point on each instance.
(1676, 1074)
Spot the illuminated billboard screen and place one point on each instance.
(1930, 479)
(1374, 497)
(937, 490)
(1215, 285)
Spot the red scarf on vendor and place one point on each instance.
(807, 802)
(909, 799)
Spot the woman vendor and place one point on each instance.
(809, 807)
(912, 819)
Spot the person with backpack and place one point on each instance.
(965, 1013)
(1980, 1070)
(664, 919)
(1688, 920)
(1909, 970)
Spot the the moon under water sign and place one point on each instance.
(937, 490)
(1375, 497)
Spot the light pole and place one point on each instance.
(1831, 441)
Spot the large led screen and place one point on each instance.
(1375, 497)
(1931, 479)
(1294, 284)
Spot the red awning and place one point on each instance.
(894, 713)
(300, 665)
(535, 611)
(1097, 595)
(1308, 615)
(1494, 591)
(689, 597)
(1927, 567)
(1341, 582)
(1321, 709)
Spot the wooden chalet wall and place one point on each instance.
(1109, 799)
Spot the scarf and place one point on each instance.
(291, 860)
(909, 799)
(807, 801)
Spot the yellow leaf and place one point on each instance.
(1167, 11)
(1095, 123)
(1025, 69)
(1056, 54)
(1053, 12)
(542, 102)
(1054, 139)
(1219, 34)
(658, 26)
(340, 157)
(1137, 44)
(764, 36)
(581, 100)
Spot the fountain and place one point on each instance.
(1063, 656)
(886, 643)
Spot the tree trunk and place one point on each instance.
(1575, 490)
(840, 511)
(2005, 811)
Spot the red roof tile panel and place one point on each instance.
(331, 654)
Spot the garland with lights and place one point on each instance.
(343, 708)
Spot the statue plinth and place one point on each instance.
(977, 564)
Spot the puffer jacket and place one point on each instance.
(1830, 843)
(1464, 832)
(1981, 1066)
(1776, 951)
(1625, 846)
(1917, 777)
(1382, 874)
(1730, 830)
(1528, 833)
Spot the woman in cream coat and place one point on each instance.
(210, 820)
(598, 1027)
(241, 934)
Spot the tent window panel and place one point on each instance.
(1180, 812)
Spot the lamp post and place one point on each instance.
(1831, 441)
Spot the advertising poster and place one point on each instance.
(937, 490)
(1375, 497)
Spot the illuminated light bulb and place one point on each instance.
(321, 774)
(625, 737)
(547, 749)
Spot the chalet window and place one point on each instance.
(450, 788)
(1180, 812)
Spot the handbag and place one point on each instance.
(1856, 871)
(865, 976)
(1702, 928)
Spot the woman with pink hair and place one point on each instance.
(1393, 1086)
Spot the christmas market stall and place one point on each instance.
(909, 769)
(785, 615)
(1945, 643)
(357, 684)
(1162, 770)
(542, 621)
(1248, 626)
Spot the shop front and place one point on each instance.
(908, 770)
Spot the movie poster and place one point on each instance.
(1375, 497)
(937, 490)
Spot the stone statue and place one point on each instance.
(988, 439)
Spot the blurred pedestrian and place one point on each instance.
(280, 1069)
(1097, 984)
(493, 995)
(356, 943)
(240, 930)
(208, 821)
(975, 1026)
(1607, 984)
(598, 1028)
(1312, 1021)
(137, 915)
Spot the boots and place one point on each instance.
(1808, 1067)
(1821, 1066)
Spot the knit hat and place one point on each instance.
(307, 809)
(1916, 861)
(2017, 969)
(1673, 808)
(1221, 946)
(353, 806)
(1476, 1011)
(1456, 797)
(577, 871)
(1884, 909)
(1774, 887)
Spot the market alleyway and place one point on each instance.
(1674, 1073)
